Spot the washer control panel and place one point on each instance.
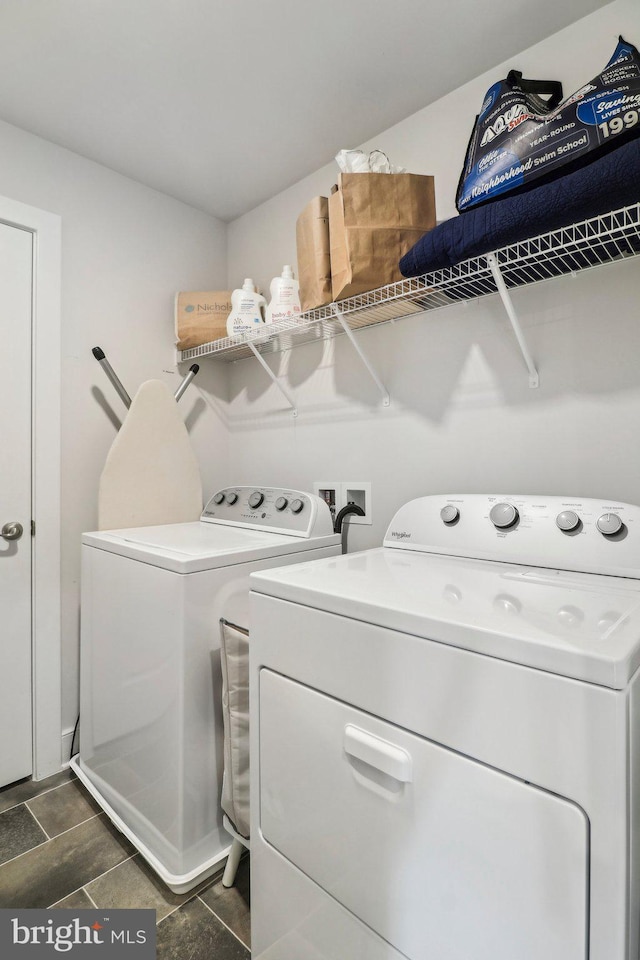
(270, 509)
(594, 536)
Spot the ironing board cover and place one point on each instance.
(151, 475)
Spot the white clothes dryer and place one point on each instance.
(446, 739)
(151, 727)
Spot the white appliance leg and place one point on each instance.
(229, 875)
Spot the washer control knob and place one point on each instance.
(256, 499)
(449, 514)
(568, 520)
(297, 506)
(281, 503)
(232, 498)
(503, 515)
(219, 497)
(609, 524)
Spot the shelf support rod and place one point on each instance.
(386, 400)
(534, 380)
(283, 390)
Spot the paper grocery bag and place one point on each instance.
(314, 262)
(201, 316)
(374, 219)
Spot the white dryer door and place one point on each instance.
(440, 855)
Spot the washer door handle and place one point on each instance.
(395, 761)
(12, 531)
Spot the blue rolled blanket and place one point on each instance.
(608, 183)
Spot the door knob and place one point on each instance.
(11, 531)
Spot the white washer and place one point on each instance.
(151, 731)
(461, 715)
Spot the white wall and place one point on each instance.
(126, 249)
(462, 417)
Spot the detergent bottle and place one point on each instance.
(246, 310)
(285, 297)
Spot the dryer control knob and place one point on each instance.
(449, 514)
(503, 515)
(296, 506)
(568, 520)
(256, 499)
(609, 524)
(281, 503)
(219, 497)
(232, 498)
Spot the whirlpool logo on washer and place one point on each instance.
(81, 933)
(400, 535)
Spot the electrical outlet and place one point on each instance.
(358, 491)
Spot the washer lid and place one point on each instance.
(579, 625)
(192, 547)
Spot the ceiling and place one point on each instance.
(223, 103)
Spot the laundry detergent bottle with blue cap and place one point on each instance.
(246, 310)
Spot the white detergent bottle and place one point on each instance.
(285, 298)
(246, 310)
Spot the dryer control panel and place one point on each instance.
(271, 509)
(593, 536)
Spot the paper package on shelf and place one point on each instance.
(314, 262)
(374, 219)
(201, 317)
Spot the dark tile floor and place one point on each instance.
(58, 850)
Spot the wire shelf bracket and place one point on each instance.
(507, 302)
(386, 400)
(283, 390)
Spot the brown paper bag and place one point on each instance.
(374, 219)
(314, 263)
(201, 316)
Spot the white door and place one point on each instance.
(16, 254)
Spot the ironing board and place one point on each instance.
(151, 475)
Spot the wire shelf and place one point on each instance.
(568, 250)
